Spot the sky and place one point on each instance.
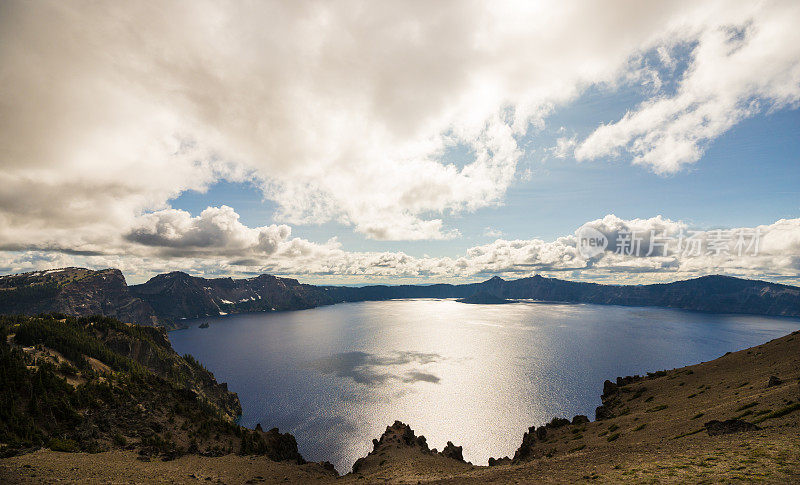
(394, 142)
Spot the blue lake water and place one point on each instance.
(478, 375)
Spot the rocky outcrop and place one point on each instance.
(453, 451)
(400, 436)
(715, 428)
(534, 436)
(499, 461)
(580, 419)
(275, 445)
(774, 381)
(527, 450)
(611, 397)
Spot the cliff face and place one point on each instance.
(74, 291)
(178, 295)
(150, 348)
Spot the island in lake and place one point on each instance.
(485, 298)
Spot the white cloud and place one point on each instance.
(492, 232)
(744, 63)
(216, 231)
(777, 256)
(340, 111)
(564, 147)
(216, 243)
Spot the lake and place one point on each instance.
(477, 375)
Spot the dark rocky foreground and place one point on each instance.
(168, 298)
(94, 384)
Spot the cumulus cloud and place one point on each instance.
(637, 251)
(216, 231)
(665, 250)
(341, 111)
(344, 111)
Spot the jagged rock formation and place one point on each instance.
(527, 450)
(452, 451)
(400, 437)
(612, 398)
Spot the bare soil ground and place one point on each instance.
(656, 436)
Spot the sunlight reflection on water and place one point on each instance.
(477, 375)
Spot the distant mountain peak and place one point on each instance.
(175, 274)
(721, 277)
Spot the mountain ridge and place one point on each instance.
(168, 298)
